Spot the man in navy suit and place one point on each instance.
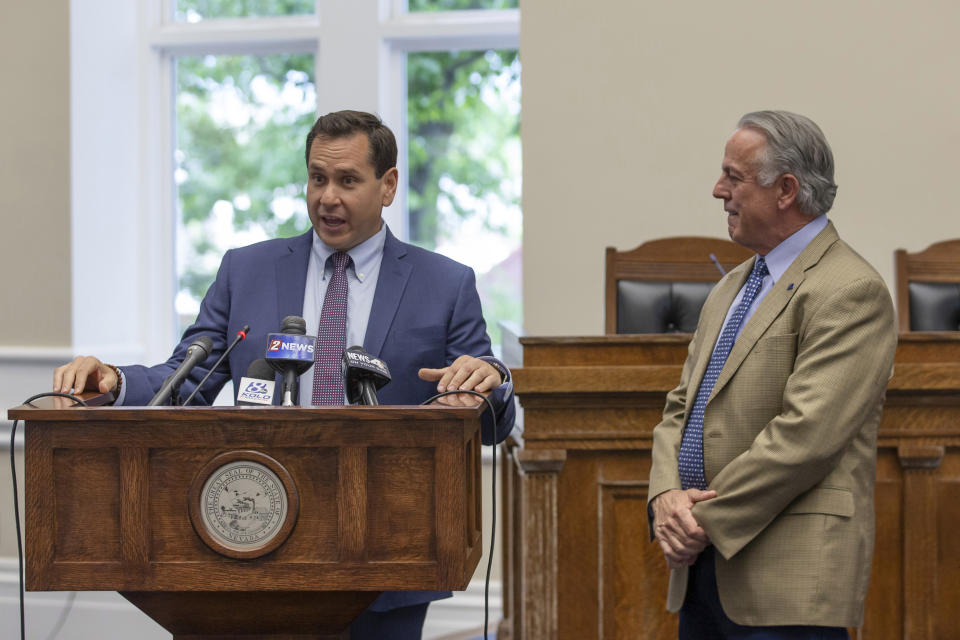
(416, 310)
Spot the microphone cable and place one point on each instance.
(493, 497)
(16, 497)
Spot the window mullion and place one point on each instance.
(293, 34)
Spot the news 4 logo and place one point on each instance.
(254, 390)
(363, 358)
(284, 346)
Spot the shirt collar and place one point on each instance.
(787, 251)
(365, 255)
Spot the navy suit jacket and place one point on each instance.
(426, 313)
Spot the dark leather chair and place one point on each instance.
(660, 286)
(928, 287)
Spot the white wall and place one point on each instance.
(627, 105)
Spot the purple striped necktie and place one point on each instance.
(331, 336)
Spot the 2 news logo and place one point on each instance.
(289, 347)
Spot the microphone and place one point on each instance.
(291, 353)
(241, 335)
(362, 376)
(256, 388)
(197, 352)
(716, 263)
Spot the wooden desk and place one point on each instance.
(578, 563)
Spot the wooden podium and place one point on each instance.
(578, 561)
(251, 522)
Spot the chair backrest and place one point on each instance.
(660, 286)
(928, 287)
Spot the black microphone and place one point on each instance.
(241, 335)
(291, 353)
(362, 376)
(256, 388)
(197, 352)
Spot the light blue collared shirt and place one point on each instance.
(778, 261)
(362, 276)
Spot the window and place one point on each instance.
(463, 126)
(181, 123)
(459, 5)
(238, 161)
(197, 10)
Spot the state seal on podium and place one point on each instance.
(243, 504)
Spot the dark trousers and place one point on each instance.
(405, 623)
(702, 617)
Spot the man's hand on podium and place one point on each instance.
(466, 373)
(85, 373)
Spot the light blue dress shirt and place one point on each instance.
(778, 261)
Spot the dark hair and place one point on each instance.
(342, 124)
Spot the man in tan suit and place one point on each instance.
(764, 463)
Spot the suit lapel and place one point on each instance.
(394, 273)
(292, 278)
(774, 302)
(712, 323)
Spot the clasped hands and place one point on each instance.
(681, 538)
(466, 373)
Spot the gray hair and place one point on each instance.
(795, 145)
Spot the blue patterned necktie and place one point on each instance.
(690, 463)
(331, 337)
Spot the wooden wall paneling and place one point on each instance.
(632, 575)
(538, 541)
(883, 618)
(510, 556)
(946, 607)
(920, 463)
(577, 570)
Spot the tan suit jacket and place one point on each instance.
(790, 437)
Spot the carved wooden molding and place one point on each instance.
(914, 457)
(540, 460)
(538, 541)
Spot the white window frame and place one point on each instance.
(122, 134)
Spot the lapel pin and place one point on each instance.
(789, 286)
